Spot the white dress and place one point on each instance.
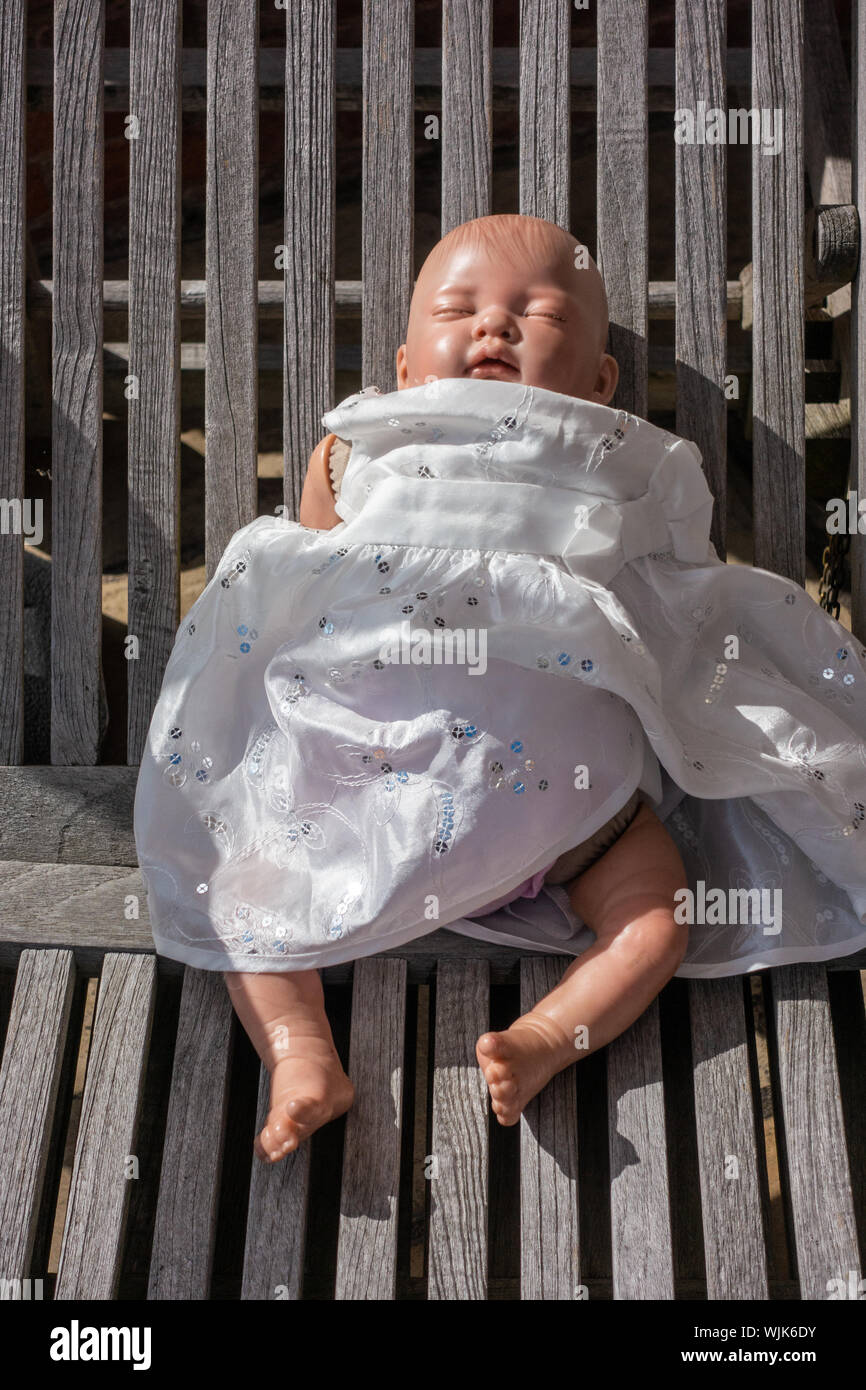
(310, 794)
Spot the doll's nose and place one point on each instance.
(494, 323)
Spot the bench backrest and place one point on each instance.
(546, 78)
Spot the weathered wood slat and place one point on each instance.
(276, 1217)
(848, 1010)
(467, 111)
(660, 359)
(506, 78)
(545, 145)
(858, 322)
(549, 1218)
(810, 1131)
(701, 252)
(76, 905)
(76, 417)
(82, 906)
(309, 212)
(29, 1081)
(827, 129)
(639, 1199)
(91, 1254)
(186, 1211)
(370, 1189)
(12, 269)
(460, 1145)
(348, 295)
(231, 331)
(154, 354)
(388, 183)
(778, 348)
(622, 191)
(68, 815)
(736, 1261)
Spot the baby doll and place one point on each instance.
(501, 299)
(308, 796)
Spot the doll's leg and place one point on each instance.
(284, 1017)
(627, 898)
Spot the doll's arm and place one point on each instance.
(317, 496)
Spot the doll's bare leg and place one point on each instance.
(627, 898)
(284, 1017)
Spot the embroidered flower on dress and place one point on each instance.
(445, 822)
(236, 571)
(609, 443)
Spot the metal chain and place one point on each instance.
(833, 577)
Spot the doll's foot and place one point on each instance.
(518, 1063)
(306, 1092)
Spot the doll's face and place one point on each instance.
(540, 321)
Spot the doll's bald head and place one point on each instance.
(510, 298)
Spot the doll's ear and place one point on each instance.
(402, 368)
(608, 376)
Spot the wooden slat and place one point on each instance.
(778, 351)
(660, 359)
(186, 1211)
(387, 186)
(348, 295)
(29, 1081)
(231, 329)
(91, 1253)
(639, 1202)
(154, 354)
(701, 252)
(810, 1132)
(848, 1011)
(76, 418)
(428, 61)
(68, 815)
(827, 129)
(370, 1190)
(549, 1218)
(736, 1261)
(622, 191)
(858, 322)
(83, 906)
(459, 1145)
(308, 380)
(467, 111)
(12, 156)
(545, 162)
(276, 1217)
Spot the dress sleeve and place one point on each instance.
(337, 460)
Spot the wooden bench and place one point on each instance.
(641, 1173)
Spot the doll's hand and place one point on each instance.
(317, 498)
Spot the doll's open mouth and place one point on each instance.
(495, 367)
